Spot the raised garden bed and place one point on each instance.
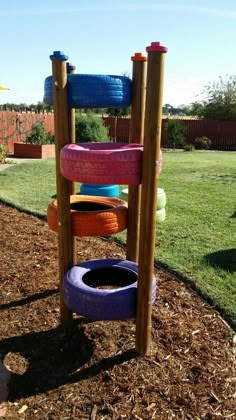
(34, 151)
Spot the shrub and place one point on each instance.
(176, 130)
(3, 153)
(189, 147)
(202, 143)
(89, 128)
(38, 135)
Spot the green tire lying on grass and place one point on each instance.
(161, 203)
(160, 215)
(161, 199)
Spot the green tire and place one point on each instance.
(160, 215)
(161, 197)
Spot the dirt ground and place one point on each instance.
(93, 372)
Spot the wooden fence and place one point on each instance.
(15, 126)
(221, 133)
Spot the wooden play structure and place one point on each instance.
(146, 102)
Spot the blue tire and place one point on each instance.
(100, 190)
(84, 295)
(93, 91)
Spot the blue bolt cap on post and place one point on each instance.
(58, 55)
(70, 67)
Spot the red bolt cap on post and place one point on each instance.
(156, 46)
(138, 56)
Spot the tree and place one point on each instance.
(90, 128)
(197, 108)
(119, 112)
(220, 103)
(176, 130)
(179, 110)
(38, 135)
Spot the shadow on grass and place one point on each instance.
(224, 259)
(233, 215)
(54, 359)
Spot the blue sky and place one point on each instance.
(100, 37)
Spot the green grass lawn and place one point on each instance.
(197, 239)
(29, 186)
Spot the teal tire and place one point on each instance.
(99, 190)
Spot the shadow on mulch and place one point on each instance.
(93, 372)
(28, 299)
(224, 259)
(55, 359)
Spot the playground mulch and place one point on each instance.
(92, 371)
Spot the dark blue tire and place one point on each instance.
(93, 91)
(82, 296)
(100, 190)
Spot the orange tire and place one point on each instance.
(92, 216)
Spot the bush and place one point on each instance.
(90, 128)
(3, 153)
(202, 143)
(38, 135)
(176, 130)
(189, 147)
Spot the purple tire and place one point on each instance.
(102, 163)
(82, 296)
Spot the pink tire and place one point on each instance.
(102, 163)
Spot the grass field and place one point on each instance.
(197, 239)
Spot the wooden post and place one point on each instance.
(62, 138)
(136, 136)
(152, 138)
(71, 120)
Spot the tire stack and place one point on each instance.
(119, 163)
(99, 167)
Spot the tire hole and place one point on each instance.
(89, 206)
(109, 278)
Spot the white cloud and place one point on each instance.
(183, 90)
(18, 97)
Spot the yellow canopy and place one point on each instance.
(3, 88)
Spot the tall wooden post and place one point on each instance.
(71, 120)
(136, 136)
(152, 138)
(62, 138)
